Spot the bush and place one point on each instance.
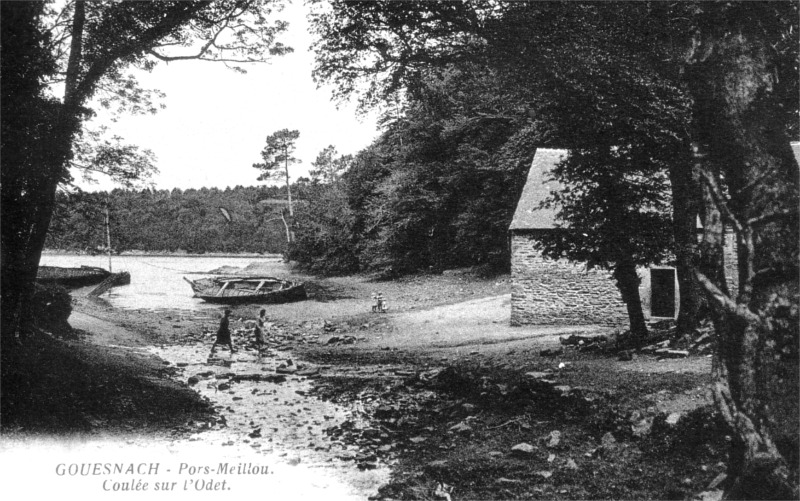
(51, 307)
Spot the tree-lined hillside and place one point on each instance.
(163, 220)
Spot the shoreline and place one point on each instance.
(52, 252)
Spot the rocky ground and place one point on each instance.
(440, 392)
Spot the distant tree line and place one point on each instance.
(177, 220)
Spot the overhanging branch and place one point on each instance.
(724, 301)
(772, 217)
(719, 201)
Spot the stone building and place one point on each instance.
(547, 291)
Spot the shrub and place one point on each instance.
(51, 307)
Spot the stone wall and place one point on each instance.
(546, 291)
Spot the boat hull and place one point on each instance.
(210, 293)
(72, 277)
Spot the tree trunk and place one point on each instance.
(29, 197)
(628, 284)
(288, 188)
(756, 374)
(684, 220)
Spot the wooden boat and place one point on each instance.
(239, 290)
(72, 277)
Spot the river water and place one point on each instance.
(157, 281)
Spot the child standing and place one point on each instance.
(261, 322)
(224, 333)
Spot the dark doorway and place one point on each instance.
(662, 292)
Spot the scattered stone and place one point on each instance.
(182, 364)
(523, 449)
(193, 380)
(551, 457)
(385, 411)
(657, 346)
(538, 375)
(468, 407)
(269, 378)
(442, 491)
(224, 386)
(417, 440)
(667, 353)
(571, 464)
(642, 427)
(545, 474)
(284, 369)
(608, 440)
(718, 480)
(551, 352)
(496, 454)
(334, 340)
(313, 371)
(715, 495)
(575, 340)
(255, 433)
(347, 455)
(555, 439)
(503, 480)
(562, 389)
(461, 429)
(673, 418)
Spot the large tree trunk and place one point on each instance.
(30, 179)
(756, 373)
(628, 284)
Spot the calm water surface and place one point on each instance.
(157, 281)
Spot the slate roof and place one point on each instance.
(528, 215)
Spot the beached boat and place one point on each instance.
(236, 290)
(72, 277)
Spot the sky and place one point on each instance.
(216, 120)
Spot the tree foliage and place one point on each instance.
(86, 47)
(686, 90)
(329, 166)
(171, 220)
(277, 155)
(438, 188)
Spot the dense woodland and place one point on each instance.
(171, 221)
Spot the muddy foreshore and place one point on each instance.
(438, 397)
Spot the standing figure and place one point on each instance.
(260, 328)
(224, 333)
(380, 303)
